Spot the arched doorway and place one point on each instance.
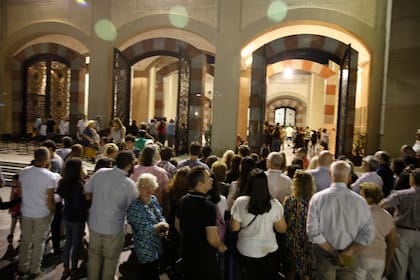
(48, 79)
(47, 90)
(308, 47)
(190, 65)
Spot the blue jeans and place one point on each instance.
(73, 245)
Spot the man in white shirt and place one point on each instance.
(339, 224)
(112, 192)
(321, 174)
(279, 184)
(38, 185)
(81, 125)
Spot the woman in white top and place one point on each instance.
(255, 215)
(117, 132)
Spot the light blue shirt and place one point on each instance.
(112, 193)
(371, 177)
(321, 177)
(339, 216)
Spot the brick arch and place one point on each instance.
(310, 47)
(174, 47)
(77, 75)
(287, 101)
(330, 89)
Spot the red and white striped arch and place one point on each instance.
(330, 89)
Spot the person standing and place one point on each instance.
(321, 174)
(299, 249)
(375, 260)
(75, 208)
(194, 152)
(170, 133)
(112, 192)
(257, 215)
(384, 171)
(407, 222)
(339, 224)
(369, 165)
(118, 132)
(196, 222)
(149, 226)
(38, 185)
(279, 184)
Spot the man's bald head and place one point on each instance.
(340, 172)
(325, 158)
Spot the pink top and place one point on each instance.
(161, 175)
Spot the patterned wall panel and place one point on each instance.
(76, 83)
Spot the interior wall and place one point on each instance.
(170, 95)
(139, 93)
(315, 116)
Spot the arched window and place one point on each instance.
(285, 116)
(47, 90)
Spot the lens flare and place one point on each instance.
(277, 11)
(81, 2)
(105, 30)
(178, 16)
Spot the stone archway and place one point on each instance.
(287, 101)
(77, 71)
(307, 47)
(331, 86)
(193, 96)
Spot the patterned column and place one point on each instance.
(197, 87)
(257, 100)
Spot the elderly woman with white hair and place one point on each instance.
(149, 227)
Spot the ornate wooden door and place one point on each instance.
(121, 88)
(346, 103)
(184, 73)
(47, 90)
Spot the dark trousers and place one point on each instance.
(259, 268)
(73, 245)
(149, 271)
(56, 227)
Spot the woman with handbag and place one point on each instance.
(254, 215)
(149, 227)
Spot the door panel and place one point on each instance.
(121, 88)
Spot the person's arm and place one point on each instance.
(123, 133)
(391, 244)
(177, 225)
(281, 225)
(352, 249)
(214, 240)
(234, 225)
(313, 229)
(50, 200)
(8, 204)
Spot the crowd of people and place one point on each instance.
(242, 216)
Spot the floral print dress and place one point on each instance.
(295, 213)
